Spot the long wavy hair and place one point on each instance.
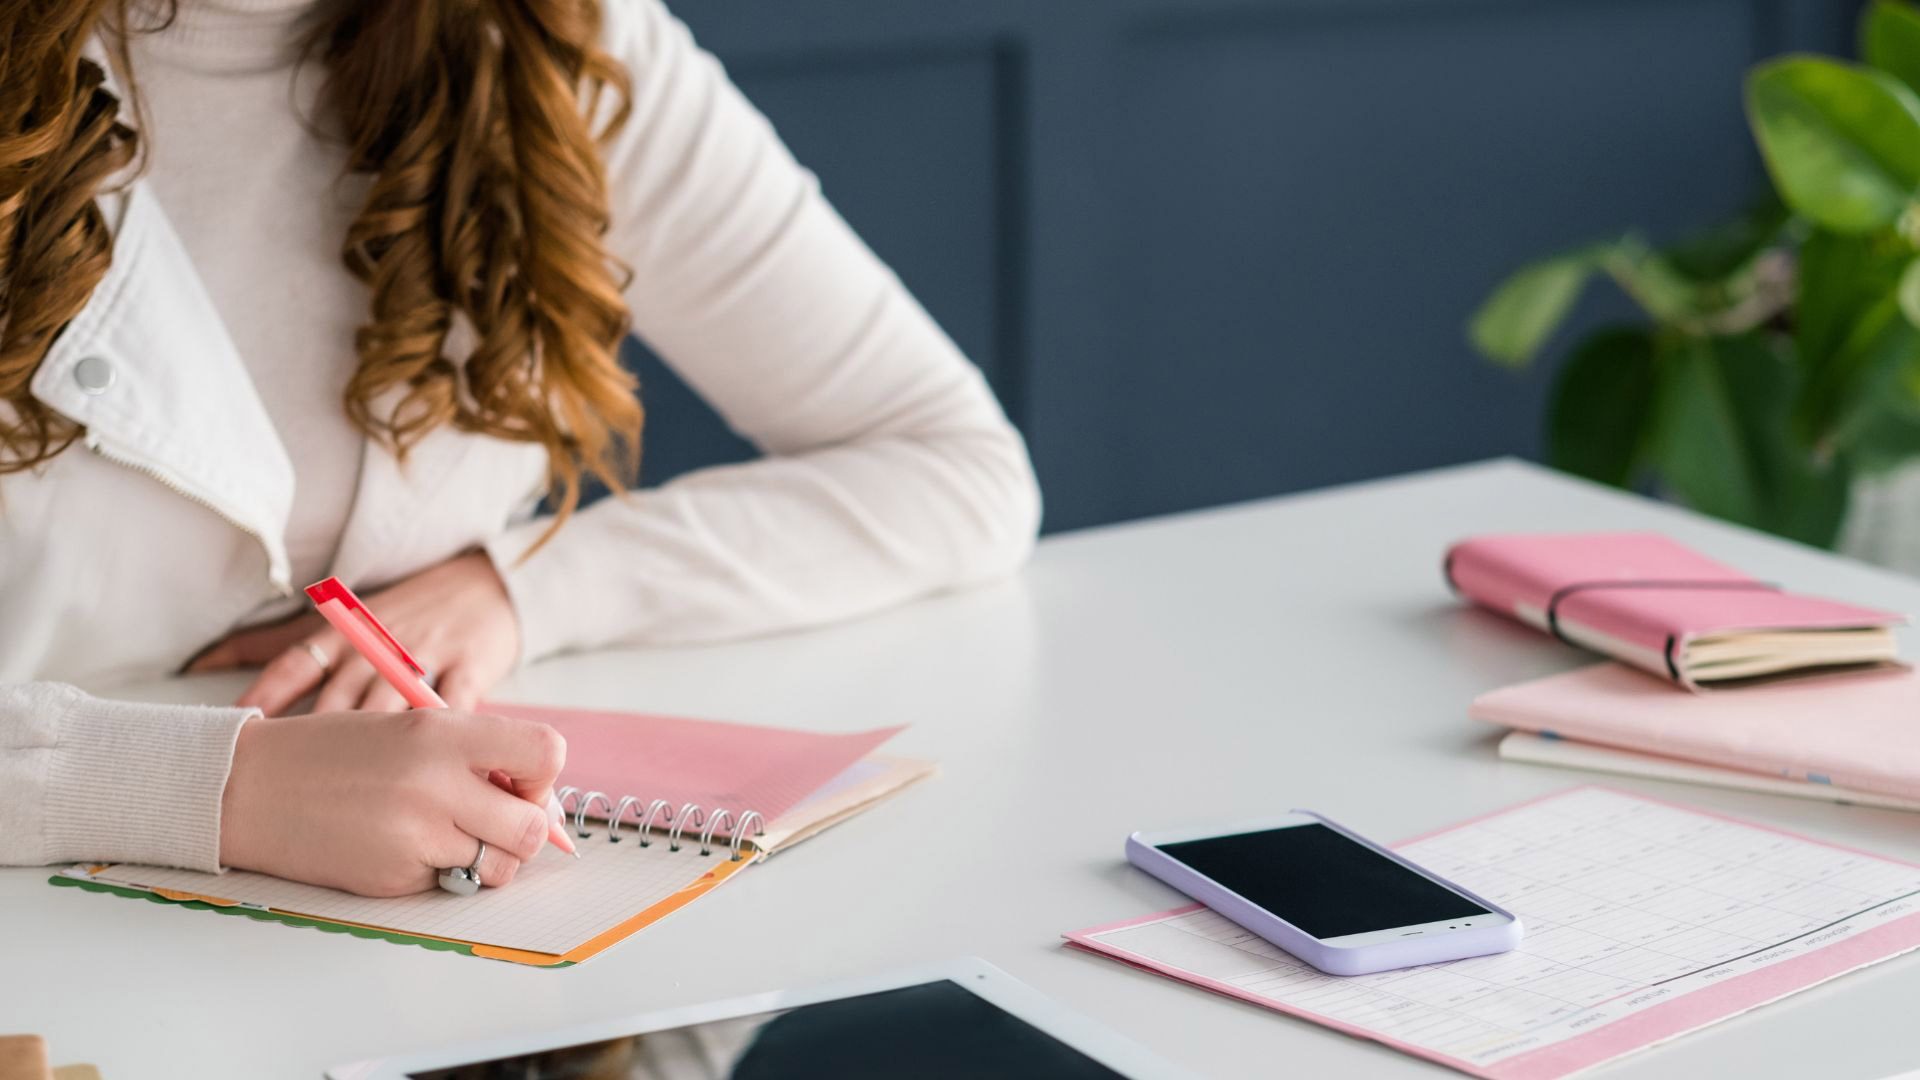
(487, 202)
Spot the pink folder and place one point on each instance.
(1856, 731)
(1647, 600)
(709, 763)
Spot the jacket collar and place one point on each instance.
(179, 405)
(148, 368)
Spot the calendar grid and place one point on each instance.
(1809, 933)
(1627, 904)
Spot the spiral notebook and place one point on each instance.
(667, 809)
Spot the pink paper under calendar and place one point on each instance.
(1644, 920)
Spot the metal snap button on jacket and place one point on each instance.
(94, 374)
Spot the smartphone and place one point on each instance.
(1339, 902)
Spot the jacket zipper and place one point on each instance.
(281, 587)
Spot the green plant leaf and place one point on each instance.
(1890, 40)
(1526, 308)
(1723, 441)
(1645, 275)
(1842, 141)
(1908, 292)
(1853, 343)
(1859, 380)
(1724, 250)
(1840, 278)
(1810, 500)
(1797, 494)
(1601, 404)
(1888, 440)
(1697, 444)
(1720, 282)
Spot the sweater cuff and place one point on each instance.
(542, 584)
(140, 783)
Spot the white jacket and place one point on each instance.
(891, 472)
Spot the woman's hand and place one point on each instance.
(454, 618)
(379, 803)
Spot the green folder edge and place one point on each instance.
(435, 944)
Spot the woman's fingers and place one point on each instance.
(461, 688)
(347, 685)
(255, 646)
(350, 684)
(293, 673)
(497, 867)
(529, 752)
(219, 656)
(503, 820)
(380, 696)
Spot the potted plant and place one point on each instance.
(1778, 366)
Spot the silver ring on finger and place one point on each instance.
(319, 656)
(464, 880)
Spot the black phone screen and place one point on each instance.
(1320, 881)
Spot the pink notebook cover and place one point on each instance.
(1856, 731)
(711, 763)
(1638, 597)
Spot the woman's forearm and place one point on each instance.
(88, 779)
(892, 471)
(775, 544)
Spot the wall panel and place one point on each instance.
(1294, 307)
(1215, 249)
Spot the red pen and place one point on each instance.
(337, 604)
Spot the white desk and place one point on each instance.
(1301, 651)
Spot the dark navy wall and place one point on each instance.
(1209, 250)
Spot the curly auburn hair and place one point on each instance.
(61, 141)
(487, 203)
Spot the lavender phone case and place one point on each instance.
(1334, 959)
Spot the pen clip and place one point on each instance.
(335, 589)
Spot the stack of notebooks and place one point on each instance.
(770, 786)
(1724, 680)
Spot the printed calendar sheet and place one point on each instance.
(1643, 920)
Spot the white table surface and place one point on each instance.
(1223, 664)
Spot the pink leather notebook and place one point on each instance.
(1855, 731)
(1653, 603)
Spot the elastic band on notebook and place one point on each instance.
(1553, 602)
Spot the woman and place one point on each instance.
(202, 409)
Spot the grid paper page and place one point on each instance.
(1642, 921)
(555, 902)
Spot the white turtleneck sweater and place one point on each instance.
(262, 208)
(891, 470)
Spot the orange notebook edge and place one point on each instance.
(700, 886)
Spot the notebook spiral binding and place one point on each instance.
(660, 812)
